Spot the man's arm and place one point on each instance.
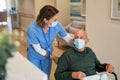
(62, 72)
(103, 67)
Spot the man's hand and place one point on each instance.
(109, 68)
(78, 75)
(54, 58)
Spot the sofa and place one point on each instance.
(71, 28)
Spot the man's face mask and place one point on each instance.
(54, 24)
(79, 43)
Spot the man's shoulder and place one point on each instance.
(72, 49)
(66, 54)
(69, 51)
(88, 48)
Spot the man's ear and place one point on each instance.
(87, 41)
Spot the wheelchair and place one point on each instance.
(115, 75)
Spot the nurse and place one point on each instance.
(40, 36)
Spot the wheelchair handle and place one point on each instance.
(115, 75)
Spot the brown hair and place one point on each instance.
(47, 12)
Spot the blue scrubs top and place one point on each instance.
(36, 35)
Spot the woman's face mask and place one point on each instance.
(53, 24)
(79, 43)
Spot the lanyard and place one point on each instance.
(45, 37)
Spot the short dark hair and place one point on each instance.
(47, 12)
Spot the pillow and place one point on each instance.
(72, 30)
(78, 25)
(71, 35)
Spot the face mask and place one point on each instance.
(54, 24)
(79, 43)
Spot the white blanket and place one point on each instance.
(97, 77)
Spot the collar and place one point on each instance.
(81, 52)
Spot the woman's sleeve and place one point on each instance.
(65, 35)
(38, 49)
(31, 37)
(32, 40)
(62, 32)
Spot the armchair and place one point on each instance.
(71, 28)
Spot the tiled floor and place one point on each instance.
(23, 47)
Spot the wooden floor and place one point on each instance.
(23, 46)
(57, 51)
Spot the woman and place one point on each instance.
(40, 36)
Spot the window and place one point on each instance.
(77, 10)
(2, 5)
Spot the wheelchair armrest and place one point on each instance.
(115, 75)
(101, 67)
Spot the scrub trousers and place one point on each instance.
(44, 65)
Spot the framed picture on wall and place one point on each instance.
(83, 7)
(115, 9)
(75, 0)
(75, 9)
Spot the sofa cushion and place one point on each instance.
(78, 25)
(70, 34)
(72, 30)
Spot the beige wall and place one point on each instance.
(29, 9)
(13, 3)
(8, 5)
(62, 5)
(64, 8)
(26, 7)
(40, 3)
(103, 32)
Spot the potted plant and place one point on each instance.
(8, 45)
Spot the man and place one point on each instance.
(76, 63)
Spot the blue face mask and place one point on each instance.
(79, 43)
(54, 24)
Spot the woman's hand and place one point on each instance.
(54, 58)
(46, 55)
